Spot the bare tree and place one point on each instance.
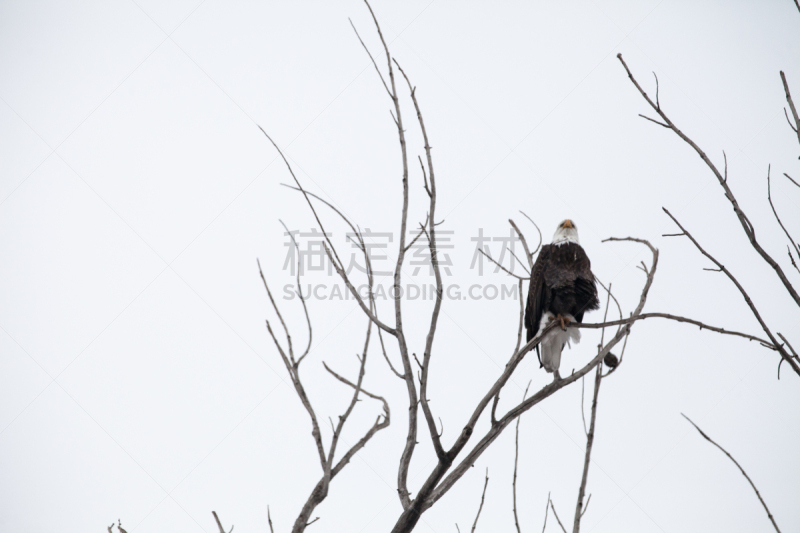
(453, 460)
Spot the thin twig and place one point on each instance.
(579, 510)
(583, 415)
(546, 510)
(769, 514)
(521, 317)
(219, 524)
(774, 212)
(299, 293)
(489, 257)
(516, 460)
(483, 496)
(269, 521)
(528, 253)
(795, 366)
(791, 103)
(538, 246)
(330, 249)
(553, 507)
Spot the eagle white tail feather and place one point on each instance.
(555, 340)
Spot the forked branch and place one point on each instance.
(747, 226)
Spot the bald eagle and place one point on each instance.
(562, 288)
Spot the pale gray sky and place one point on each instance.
(137, 380)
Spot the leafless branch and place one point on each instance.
(119, 527)
(579, 510)
(516, 461)
(654, 121)
(747, 226)
(480, 508)
(546, 510)
(583, 414)
(769, 514)
(269, 521)
(320, 491)
(553, 507)
(521, 264)
(489, 257)
(277, 312)
(586, 508)
(219, 524)
(789, 100)
(368, 266)
(371, 58)
(744, 294)
(418, 235)
(701, 325)
(330, 250)
(528, 253)
(538, 246)
(408, 374)
(521, 317)
(424, 177)
(299, 293)
(785, 231)
(436, 271)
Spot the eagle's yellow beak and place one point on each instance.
(568, 224)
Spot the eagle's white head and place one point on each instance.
(567, 231)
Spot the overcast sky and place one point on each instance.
(137, 379)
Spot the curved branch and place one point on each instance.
(330, 249)
(747, 226)
(299, 293)
(744, 294)
(437, 305)
(769, 514)
(676, 318)
(528, 253)
(538, 246)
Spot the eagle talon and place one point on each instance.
(562, 320)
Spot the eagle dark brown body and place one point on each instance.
(561, 283)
